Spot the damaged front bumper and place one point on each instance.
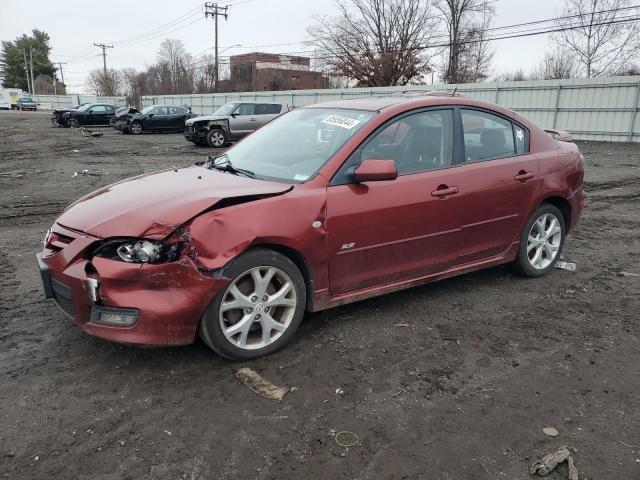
(145, 304)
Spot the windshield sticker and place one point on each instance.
(300, 177)
(338, 121)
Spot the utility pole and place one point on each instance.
(105, 79)
(61, 72)
(213, 10)
(33, 87)
(104, 55)
(26, 69)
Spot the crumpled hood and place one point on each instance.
(155, 204)
(191, 121)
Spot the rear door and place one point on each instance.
(498, 183)
(265, 112)
(390, 231)
(178, 116)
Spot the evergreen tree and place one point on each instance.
(12, 59)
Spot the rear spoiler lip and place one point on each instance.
(561, 135)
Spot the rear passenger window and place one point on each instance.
(268, 109)
(487, 136)
(417, 143)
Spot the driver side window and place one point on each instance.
(417, 143)
(98, 109)
(245, 109)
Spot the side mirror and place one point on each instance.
(374, 170)
(151, 115)
(234, 115)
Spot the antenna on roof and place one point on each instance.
(454, 91)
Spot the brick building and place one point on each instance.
(268, 71)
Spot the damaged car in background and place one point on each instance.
(57, 113)
(93, 114)
(231, 122)
(154, 118)
(324, 206)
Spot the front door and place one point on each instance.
(497, 184)
(388, 231)
(98, 115)
(243, 120)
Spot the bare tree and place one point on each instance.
(557, 63)
(173, 54)
(468, 57)
(97, 83)
(376, 42)
(603, 42)
(515, 76)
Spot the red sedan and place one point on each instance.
(325, 205)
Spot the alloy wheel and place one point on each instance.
(73, 123)
(544, 240)
(257, 307)
(136, 128)
(217, 138)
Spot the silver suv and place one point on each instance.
(231, 122)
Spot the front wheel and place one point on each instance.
(73, 123)
(216, 138)
(259, 311)
(541, 242)
(135, 128)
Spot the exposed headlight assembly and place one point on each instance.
(138, 250)
(142, 251)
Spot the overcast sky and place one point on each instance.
(74, 25)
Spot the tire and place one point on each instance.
(258, 338)
(217, 138)
(135, 128)
(541, 242)
(73, 123)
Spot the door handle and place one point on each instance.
(523, 176)
(444, 191)
(252, 119)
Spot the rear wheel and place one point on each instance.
(216, 138)
(259, 311)
(541, 242)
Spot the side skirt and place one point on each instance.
(323, 299)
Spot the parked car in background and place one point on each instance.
(154, 118)
(9, 97)
(57, 113)
(325, 205)
(231, 122)
(94, 114)
(26, 103)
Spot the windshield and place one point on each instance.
(293, 147)
(26, 99)
(225, 109)
(84, 108)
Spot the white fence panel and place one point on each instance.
(591, 109)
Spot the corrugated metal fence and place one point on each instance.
(590, 108)
(67, 101)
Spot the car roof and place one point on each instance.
(267, 102)
(378, 103)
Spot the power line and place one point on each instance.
(153, 31)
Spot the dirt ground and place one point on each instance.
(450, 381)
